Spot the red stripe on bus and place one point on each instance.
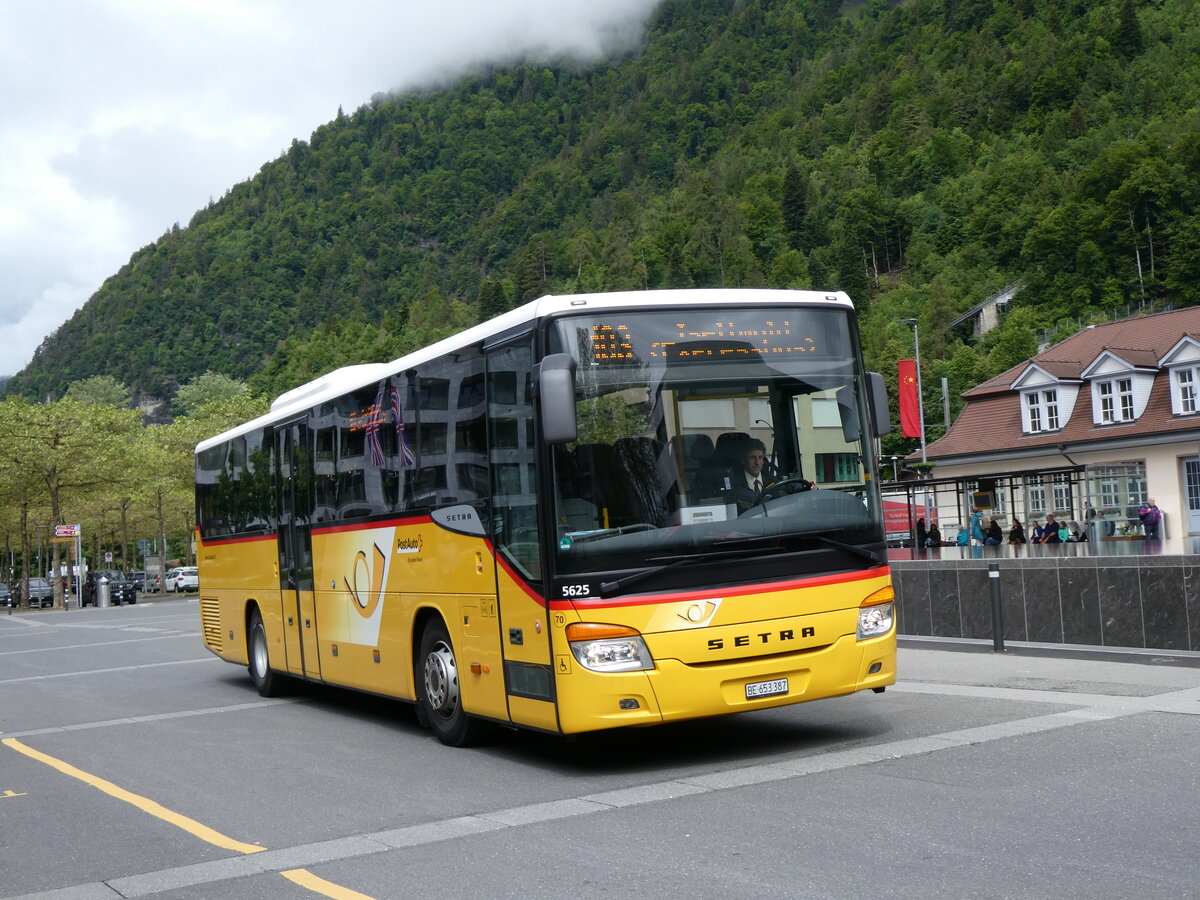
(247, 539)
(366, 526)
(739, 591)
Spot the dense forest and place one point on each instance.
(919, 155)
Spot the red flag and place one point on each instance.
(910, 402)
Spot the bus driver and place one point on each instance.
(748, 482)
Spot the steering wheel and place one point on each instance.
(784, 487)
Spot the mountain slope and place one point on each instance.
(919, 156)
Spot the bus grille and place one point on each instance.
(210, 621)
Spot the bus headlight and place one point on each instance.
(877, 614)
(608, 648)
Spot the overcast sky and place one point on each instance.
(119, 118)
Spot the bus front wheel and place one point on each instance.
(440, 700)
(266, 681)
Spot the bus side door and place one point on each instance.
(294, 484)
(524, 626)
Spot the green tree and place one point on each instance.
(211, 387)
(99, 390)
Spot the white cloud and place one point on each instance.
(122, 117)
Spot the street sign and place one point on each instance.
(66, 531)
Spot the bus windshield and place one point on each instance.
(710, 434)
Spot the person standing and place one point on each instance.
(1151, 517)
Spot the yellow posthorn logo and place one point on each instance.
(365, 582)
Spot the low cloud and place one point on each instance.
(132, 114)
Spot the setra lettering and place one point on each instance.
(782, 636)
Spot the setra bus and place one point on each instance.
(540, 521)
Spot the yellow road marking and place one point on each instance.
(144, 804)
(302, 877)
(307, 879)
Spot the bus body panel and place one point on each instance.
(709, 645)
(241, 568)
(673, 691)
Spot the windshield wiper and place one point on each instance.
(869, 555)
(611, 588)
(822, 536)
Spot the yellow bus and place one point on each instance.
(548, 520)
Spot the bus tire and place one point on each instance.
(439, 700)
(267, 682)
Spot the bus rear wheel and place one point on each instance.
(440, 695)
(267, 682)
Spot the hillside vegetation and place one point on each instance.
(919, 155)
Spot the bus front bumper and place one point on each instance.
(674, 691)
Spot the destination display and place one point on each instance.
(731, 337)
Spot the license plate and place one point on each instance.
(766, 688)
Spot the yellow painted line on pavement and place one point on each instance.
(144, 804)
(307, 879)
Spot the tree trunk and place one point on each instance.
(1137, 255)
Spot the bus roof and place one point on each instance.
(350, 378)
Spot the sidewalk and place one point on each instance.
(1067, 669)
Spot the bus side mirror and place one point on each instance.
(556, 390)
(880, 416)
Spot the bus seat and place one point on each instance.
(600, 480)
(647, 477)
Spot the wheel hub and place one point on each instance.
(441, 680)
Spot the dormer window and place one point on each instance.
(1043, 410)
(1116, 400)
(1186, 381)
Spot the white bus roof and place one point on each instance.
(350, 378)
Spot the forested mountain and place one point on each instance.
(918, 155)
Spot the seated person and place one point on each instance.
(748, 481)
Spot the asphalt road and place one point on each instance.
(133, 763)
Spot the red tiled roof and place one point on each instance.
(991, 420)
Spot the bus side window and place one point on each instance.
(512, 458)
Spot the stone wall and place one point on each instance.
(1137, 601)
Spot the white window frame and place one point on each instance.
(1116, 400)
(1186, 379)
(1043, 407)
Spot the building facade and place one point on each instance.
(1089, 429)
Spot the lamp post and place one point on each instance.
(920, 399)
(895, 476)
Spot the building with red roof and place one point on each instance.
(1088, 429)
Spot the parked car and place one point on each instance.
(183, 578)
(41, 594)
(139, 580)
(6, 596)
(120, 589)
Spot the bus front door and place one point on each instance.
(295, 485)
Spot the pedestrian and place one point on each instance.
(1016, 534)
(995, 534)
(977, 527)
(935, 535)
(1151, 517)
(922, 534)
(1050, 531)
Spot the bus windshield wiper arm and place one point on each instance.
(822, 536)
(609, 588)
(866, 554)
